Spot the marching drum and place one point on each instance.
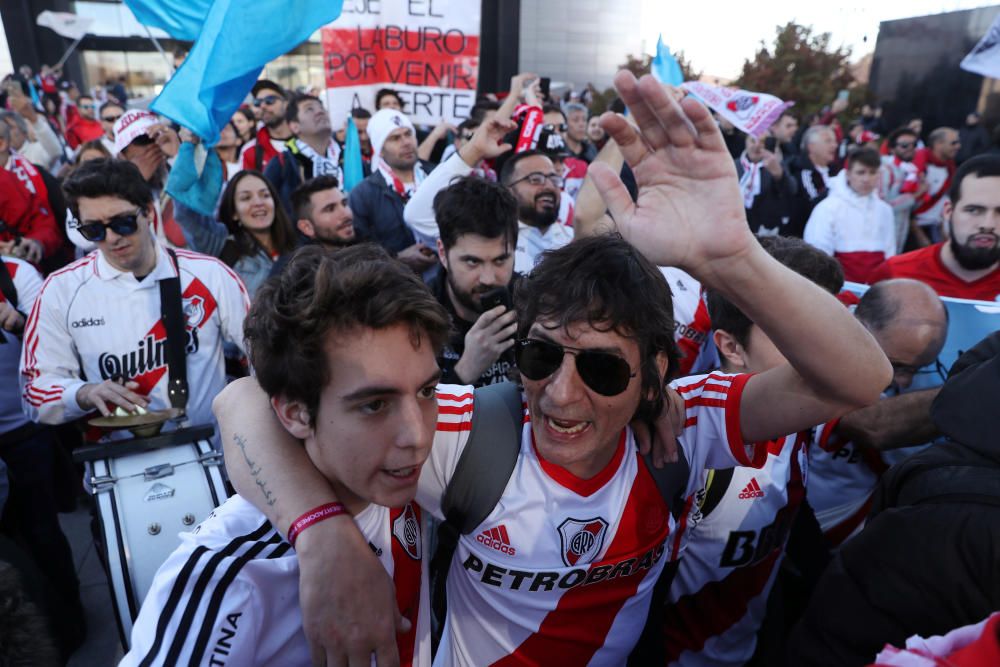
(147, 490)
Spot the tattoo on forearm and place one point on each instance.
(255, 471)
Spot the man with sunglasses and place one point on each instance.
(110, 113)
(95, 340)
(84, 127)
(562, 570)
(900, 183)
(270, 101)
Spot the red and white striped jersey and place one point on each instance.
(739, 526)
(229, 594)
(92, 322)
(562, 570)
(27, 283)
(842, 477)
(692, 325)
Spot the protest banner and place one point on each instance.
(426, 50)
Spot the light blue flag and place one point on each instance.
(664, 66)
(180, 20)
(234, 44)
(353, 169)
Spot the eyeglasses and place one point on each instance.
(905, 144)
(111, 119)
(561, 127)
(268, 100)
(538, 178)
(604, 372)
(125, 224)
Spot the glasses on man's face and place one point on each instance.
(111, 119)
(537, 178)
(88, 106)
(604, 372)
(561, 127)
(267, 99)
(124, 224)
(905, 144)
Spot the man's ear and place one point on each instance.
(294, 126)
(732, 355)
(946, 209)
(442, 255)
(662, 369)
(293, 415)
(306, 227)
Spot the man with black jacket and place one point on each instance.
(811, 170)
(926, 561)
(768, 189)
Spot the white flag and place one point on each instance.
(985, 57)
(748, 111)
(65, 24)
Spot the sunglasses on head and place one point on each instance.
(604, 372)
(125, 224)
(267, 99)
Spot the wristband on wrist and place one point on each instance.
(314, 516)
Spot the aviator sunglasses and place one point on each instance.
(125, 224)
(604, 372)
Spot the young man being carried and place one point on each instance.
(345, 338)
(588, 526)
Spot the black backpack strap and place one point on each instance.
(258, 156)
(488, 458)
(172, 315)
(671, 480)
(7, 285)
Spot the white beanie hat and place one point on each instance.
(381, 126)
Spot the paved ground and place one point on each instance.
(102, 646)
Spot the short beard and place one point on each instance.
(402, 165)
(532, 217)
(464, 299)
(975, 259)
(336, 243)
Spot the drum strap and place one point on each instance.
(172, 314)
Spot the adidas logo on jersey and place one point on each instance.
(497, 538)
(751, 490)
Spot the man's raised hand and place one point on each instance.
(689, 211)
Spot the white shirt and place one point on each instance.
(93, 321)
(532, 242)
(252, 576)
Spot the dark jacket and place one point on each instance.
(287, 171)
(927, 561)
(378, 213)
(772, 209)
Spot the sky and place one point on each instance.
(717, 44)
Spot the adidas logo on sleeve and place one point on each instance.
(751, 490)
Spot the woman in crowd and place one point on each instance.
(228, 150)
(245, 124)
(251, 230)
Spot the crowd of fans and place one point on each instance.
(499, 244)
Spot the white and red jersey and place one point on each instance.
(92, 322)
(842, 477)
(937, 175)
(37, 221)
(692, 325)
(739, 526)
(860, 232)
(562, 570)
(229, 594)
(27, 283)
(532, 242)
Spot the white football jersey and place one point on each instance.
(532, 242)
(739, 526)
(92, 322)
(842, 478)
(562, 570)
(229, 594)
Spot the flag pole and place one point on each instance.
(156, 43)
(70, 50)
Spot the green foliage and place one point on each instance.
(800, 66)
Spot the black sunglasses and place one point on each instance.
(604, 372)
(111, 119)
(268, 100)
(125, 224)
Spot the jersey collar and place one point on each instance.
(582, 487)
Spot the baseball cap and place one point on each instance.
(267, 84)
(132, 125)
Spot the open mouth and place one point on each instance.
(403, 474)
(566, 426)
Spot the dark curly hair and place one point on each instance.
(320, 292)
(606, 283)
(107, 178)
(282, 233)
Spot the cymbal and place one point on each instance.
(131, 421)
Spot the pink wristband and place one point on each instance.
(313, 516)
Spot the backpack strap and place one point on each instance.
(258, 156)
(488, 458)
(7, 285)
(671, 480)
(172, 315)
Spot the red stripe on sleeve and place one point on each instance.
(734, 428)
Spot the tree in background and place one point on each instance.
(801, 67)
(601, 101)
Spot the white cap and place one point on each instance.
(382, 125)
(132, 125)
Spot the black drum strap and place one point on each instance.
(172, 315)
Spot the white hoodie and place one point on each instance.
(858, 231)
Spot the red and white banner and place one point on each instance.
(748, 111)
(426, 50)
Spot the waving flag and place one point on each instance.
(985, 56)
(353, 168)
(748, 111)
(65, 24)
(180, 20)
(664, 66)
(233, 45)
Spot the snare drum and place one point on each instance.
(147, 491)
